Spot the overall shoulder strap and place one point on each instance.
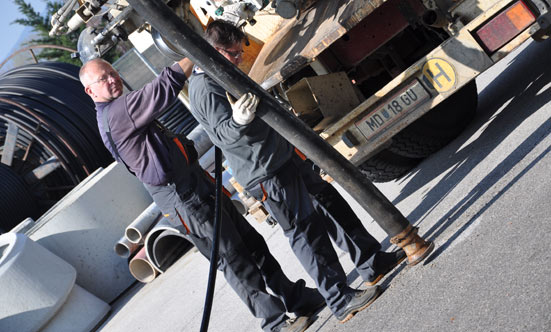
(110, 138)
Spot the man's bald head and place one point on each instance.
(100, 80)
(90, 65)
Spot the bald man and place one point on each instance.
(167, 165)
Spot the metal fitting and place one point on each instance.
(416, 248)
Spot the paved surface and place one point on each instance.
(483, 199)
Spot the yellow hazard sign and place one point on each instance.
(439, 74)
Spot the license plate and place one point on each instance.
(398, 105)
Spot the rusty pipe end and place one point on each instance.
(416, 248)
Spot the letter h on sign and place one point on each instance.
(441, 73)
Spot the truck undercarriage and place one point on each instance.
(386, 83)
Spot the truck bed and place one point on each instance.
(299, 41)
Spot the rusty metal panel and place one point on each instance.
(299, 41)
(333, 95)
(374, 31)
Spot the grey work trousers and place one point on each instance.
(343, 225)
(245, 260)
(288, 200)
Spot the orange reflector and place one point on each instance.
(520, 16)
(505, 26)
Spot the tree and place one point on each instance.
(41, 25)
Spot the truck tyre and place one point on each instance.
(439, 126)
(387, 166)
(541, 35)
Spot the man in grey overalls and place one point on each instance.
(167, 165)
(307, 208)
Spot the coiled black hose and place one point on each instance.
(18, 195)
(178, 119)
(54, 120)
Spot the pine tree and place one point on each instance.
(41, 25)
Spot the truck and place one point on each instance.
(385, 82)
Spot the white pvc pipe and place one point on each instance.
(200, 139)
(124, 248)
(162, 225)
(141, 268)
(207, 160)
(137, 229)
(168, 247)
(239, 205)
(83, 227)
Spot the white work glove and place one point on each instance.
(244, 108)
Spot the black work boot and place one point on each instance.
(298, 324)
(312, 304)
(383, 263)
(360, 300)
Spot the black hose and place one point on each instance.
(233, 80)
(55, 119)
(19, 195)
(215, 239)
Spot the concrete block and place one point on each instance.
(34, 283)
(85, 225)
(82, 312)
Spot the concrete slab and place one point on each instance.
(86, 224)
(34, 283)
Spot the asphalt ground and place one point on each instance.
(483, 200)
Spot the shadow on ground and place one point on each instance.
(504, 104)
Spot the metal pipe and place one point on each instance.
(111, 25)
(24, 49)
(297, 133)
(146, 62)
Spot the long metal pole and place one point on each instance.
(270, 111)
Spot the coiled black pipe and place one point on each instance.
(18, 195)
(178, 119)
(55, 120)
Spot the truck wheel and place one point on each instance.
(542, 35)
(387, 166)
(439, 126)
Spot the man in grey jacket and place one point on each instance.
(307, 208)
(167, 166)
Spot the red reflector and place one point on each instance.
(505, 26)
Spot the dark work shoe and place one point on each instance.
(384, 263)
(313, 303)
(361, 300)
(298, 324)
